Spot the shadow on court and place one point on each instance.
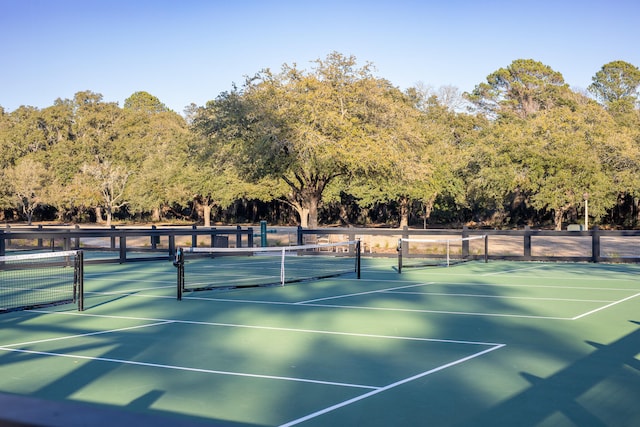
(601, 386)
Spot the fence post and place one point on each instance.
(172, 245)
(123, 248)
(527, 242)
(214, 233)
(405, 247)
(39, 238)
(113, 238)
(595, 244)
(250, 237)
(465, 243)
(77, 239)
(300, 239)
(154, 238)
(194, 237)
(263, 234)
(238, 237)
(3, 247)
(351, 237)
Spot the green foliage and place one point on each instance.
(144, 102)
(523, 88)
(616, 82)
(333, 133)
(27, 181)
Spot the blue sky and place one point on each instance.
(189, 51)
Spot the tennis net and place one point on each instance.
(41, 279)
(215, 268)
(434, 252)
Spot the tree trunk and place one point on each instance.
(98, 211)
(428, 208)
(109, 216)
(313, 212)
(404, 212)
(206, 214)
(155, 215)
(303, 213)
(558, 215)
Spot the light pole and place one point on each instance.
(586, 211)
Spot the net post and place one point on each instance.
(179, 264)
(282, 272)
(399, 249)
(358, 264)
(80, 279)
(595, 244)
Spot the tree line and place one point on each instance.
(336, 143)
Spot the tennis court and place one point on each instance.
(500, 344)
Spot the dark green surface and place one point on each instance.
(498, 344)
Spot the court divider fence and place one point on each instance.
(160, 243)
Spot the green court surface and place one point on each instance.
(475, 344)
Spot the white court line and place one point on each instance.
(175, 321)
(128, 294)
(98, 277)
(129, 291)
(269, 328)
(388, 387)
(495, 273)
(364, 293)
(495, 296)
(88, 334)
(119, 279)
(519, 285)
(356, 307)
(605, 307)
(184, 368)
(459, 313)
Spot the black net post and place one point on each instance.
(399, 249)
(79, 282)
(179, 264)
(358, 269)
(595, 244)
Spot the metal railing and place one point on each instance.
(125, 244)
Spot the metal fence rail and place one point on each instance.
(152, 243)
